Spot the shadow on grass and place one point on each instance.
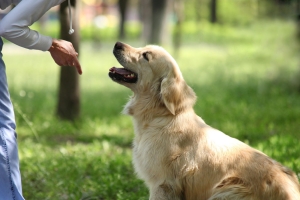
(117, 140)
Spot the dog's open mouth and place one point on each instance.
(122, 74)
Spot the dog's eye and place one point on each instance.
(145, 55)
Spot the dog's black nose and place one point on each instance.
(118, 46)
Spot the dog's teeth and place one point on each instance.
(129, 75)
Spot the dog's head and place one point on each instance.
(152, 70)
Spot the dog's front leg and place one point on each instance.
(164, 192)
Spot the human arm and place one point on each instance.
(15, 28)
(15, 25)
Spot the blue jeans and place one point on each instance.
(10, 177)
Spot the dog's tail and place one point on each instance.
(232, 188)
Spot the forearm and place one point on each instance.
(15, 25)
(28, 39)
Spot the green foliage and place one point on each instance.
(241, 12)
(245, 80)
(234, 12)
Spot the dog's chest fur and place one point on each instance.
(149, 150)
(161, 150)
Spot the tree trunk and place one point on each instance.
(298, 19)
(197, 7)
(179, 12)
(298, 33)
(69, 93)
(145, 18)
(158, 22)
(213, 11)
(123, 4)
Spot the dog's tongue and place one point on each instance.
(121, 71)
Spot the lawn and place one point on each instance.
(246, 79)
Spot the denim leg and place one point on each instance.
(10, 177)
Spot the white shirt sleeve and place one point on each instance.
(15, 25)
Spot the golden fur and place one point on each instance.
(177, 154)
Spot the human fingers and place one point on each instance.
(67, 48)
(72, 49)
(78, 66)
(75, 63)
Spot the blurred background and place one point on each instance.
(164, 21)
(241, 57)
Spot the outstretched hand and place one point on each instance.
(64, 54)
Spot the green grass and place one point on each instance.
(246, 80)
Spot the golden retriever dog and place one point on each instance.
(175, 152)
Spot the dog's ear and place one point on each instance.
(171, 89)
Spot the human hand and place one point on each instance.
(64, 54)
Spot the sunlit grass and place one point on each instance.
(245, 79)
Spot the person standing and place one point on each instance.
(15, 28)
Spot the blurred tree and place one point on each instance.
(158, 21)
(153, 15)
(69, 93)
(197, 6)
(213, 11)
(123, 4)
(298, 19)
(178, 11)
(145, 18)
(276, 8)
